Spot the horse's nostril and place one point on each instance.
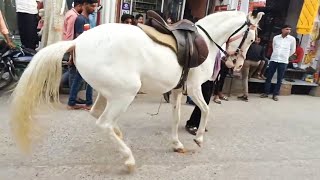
(240, 66)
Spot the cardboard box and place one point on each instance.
(285, 90)
(315, 91)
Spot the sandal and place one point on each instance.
(225, 98)
(243, 98)
(218, 101)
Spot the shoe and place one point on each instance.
(243, 98)
(75, 107)
(193, 130)
(80, 101)
(263, 95)
(275, 98)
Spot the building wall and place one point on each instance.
(198, 8)
(8, 10)
(293, 14)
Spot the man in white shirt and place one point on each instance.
(284, 45)
(27, 11)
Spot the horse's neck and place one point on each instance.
(220, 27)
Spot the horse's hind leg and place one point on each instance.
(108, 119)
(176, 104)
(98, 108)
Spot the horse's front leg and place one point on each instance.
(198, 99)
(176, 104)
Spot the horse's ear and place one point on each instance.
(259, 16)
(255, 19)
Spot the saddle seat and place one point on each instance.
(190, 47)
(161, 38)
(163, 27)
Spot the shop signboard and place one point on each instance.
(125, 8)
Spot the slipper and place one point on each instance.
(225, 98)
(243, 98)
(218, 101)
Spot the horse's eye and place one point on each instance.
(251, 40)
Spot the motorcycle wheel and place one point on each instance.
(5, 78)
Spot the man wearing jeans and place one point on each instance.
(81, 24)
(283, 46)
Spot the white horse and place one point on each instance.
(118, 60)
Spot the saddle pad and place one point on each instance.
(163, 39)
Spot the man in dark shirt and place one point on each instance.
(81, 24)
(254, 55)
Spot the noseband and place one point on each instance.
(230, 39)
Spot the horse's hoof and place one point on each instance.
(131, 168)
(197, 142)
(180, 150)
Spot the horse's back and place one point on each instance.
(119, 51)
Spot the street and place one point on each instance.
(259, 139)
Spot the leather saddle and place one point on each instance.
(191, 48)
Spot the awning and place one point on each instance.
(307, 16)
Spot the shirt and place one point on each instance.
(68, 26)
(255, 52)
(3, 27)
(93, 20)
(79, 25)
(27, 6)
(283, 48)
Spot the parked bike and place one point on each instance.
(12, 64)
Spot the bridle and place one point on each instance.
(231, 38)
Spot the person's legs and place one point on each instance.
(89, 94)
(27, 24)
(280, 74)
(223, 74)
(72, 74)
(22, 30)
(272, 69)
(245, 75)
(74, 90)
(219, 84)
(258, 74)
(253, 67)
(194, 120)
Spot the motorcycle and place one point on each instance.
(12, 64)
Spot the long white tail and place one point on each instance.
(39, 85)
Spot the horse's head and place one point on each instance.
(239, 42)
